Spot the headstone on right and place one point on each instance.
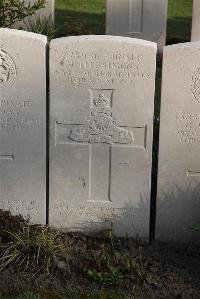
(23, 124)
(102, 94)
(195, 21)
(178, 200)
(144, 19)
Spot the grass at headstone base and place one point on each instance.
(99, 266)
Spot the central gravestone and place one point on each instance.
(144, 19)
(23, 124)
(101, 133)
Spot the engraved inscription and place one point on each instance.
(11, 114)
(195, 85)
(188, 127)
(83, 68)
(93, 214)
(102, 127)
(7, 70)
(18, 206)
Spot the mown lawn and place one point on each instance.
(93, 14)
(179, 21)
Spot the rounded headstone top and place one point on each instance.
(104, 38)
(189, 45)
(24, 34)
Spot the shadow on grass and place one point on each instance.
(95, 23)
(178, 30)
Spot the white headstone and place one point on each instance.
(23, 124)
(102, 93)
(178, 202)
(144, 19)
(46, 13)
(196, 21)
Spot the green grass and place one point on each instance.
(30, 250)
(92, 13)
(179, 21)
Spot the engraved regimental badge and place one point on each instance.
(102, 126)
(7, 70)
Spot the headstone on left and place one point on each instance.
(102, 94)
(46, 13)
(23, 124)
(143, 19)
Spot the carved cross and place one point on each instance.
(7, 157)
(136, 16)
(101, 134)
(193, 173)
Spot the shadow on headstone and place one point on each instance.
(179, 214)
(128, 220)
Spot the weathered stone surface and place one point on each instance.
(102, 91)
(178, 203)
(144, 19)
(23, 124)
(196, 21)
(46, 13)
